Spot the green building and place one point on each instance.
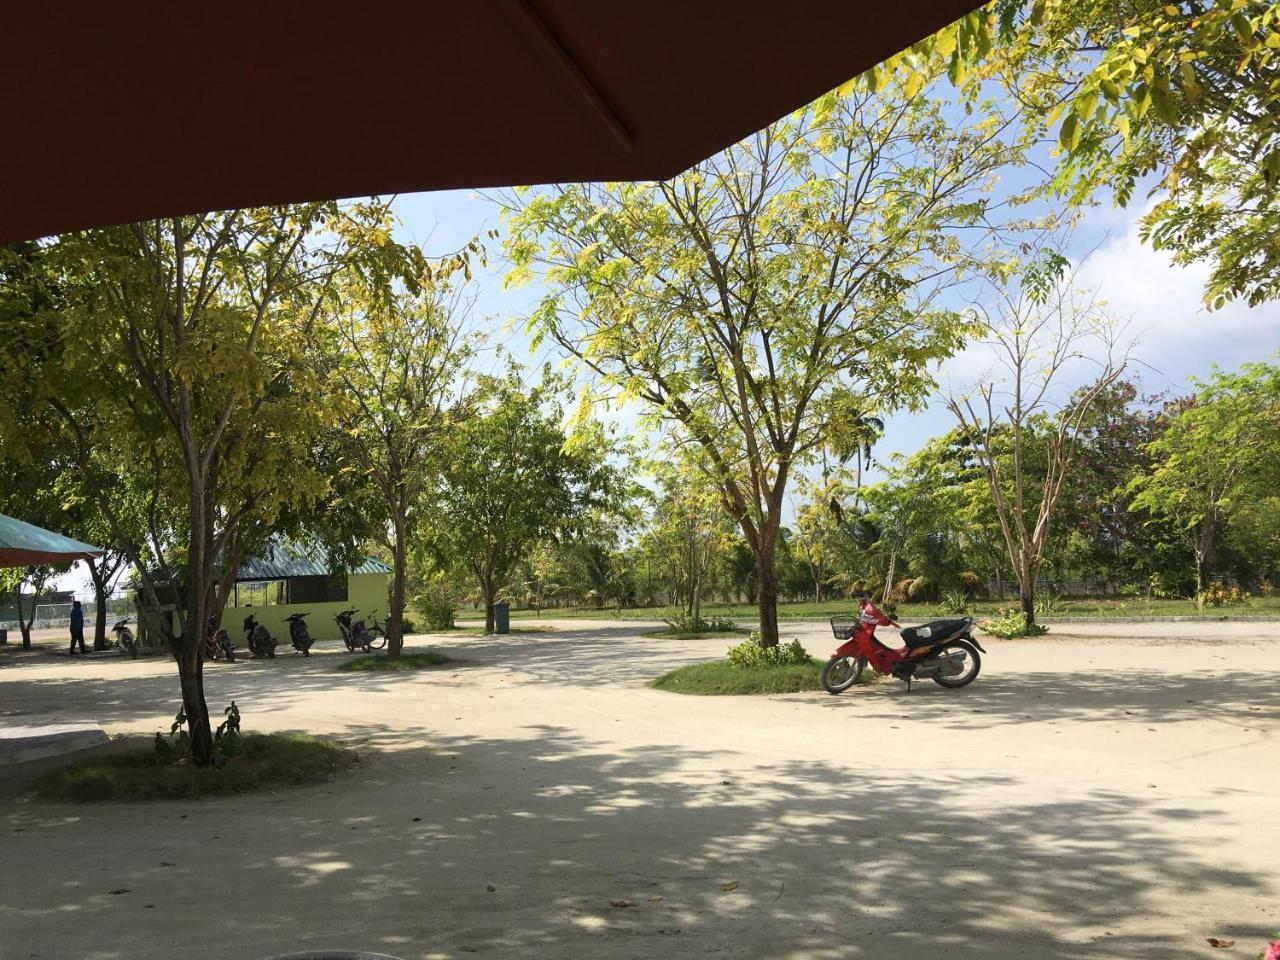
(293, 578)
(289, 578)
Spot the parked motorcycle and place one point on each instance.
(943, 651)
(357, 636)
(261, 642)
(217, 644)
(298, 632)
(124, 637)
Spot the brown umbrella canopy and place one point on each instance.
(119, 112)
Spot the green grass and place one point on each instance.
(380, 662)
(268, 761)
(694, 634)
(1106, 607)
(479, 631)
(718, 678)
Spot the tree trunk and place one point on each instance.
(1027, 592)
(191, 677)
(395, 616)
(24, 625)
(222, 592)
(188, 647)
(1029, 604)
(490, 595)
(100, 603)
(887, 596)
(1202, 548)
(767, 597)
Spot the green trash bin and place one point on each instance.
(501, 618)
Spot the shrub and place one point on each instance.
(1216, 595)
(920, 589)
(971, 583)
(901, 590)
(1048, 604)
(228, 741)
(437, 605)
(1011, 624)
(749, 655)
(685, 623)
(955, 602)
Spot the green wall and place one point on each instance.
(367, 592)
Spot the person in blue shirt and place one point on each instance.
(77, 628)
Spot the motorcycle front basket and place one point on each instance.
(843, 627)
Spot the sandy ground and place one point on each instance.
(1108, 791)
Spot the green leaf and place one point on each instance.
(1069, 133)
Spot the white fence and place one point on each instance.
(47, 615)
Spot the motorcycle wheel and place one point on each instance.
(306, 651)
(972, 667)
(231, 655)
(841, 673)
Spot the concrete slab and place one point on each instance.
(23, 744)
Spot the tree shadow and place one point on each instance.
(547, 843)
(1238, 697)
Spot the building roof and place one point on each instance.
(283, 559)
(24, 544)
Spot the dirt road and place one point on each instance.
(1103, 792)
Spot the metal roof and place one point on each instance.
(281, 560)
(24, 544)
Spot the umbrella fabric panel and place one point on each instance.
(273, 102)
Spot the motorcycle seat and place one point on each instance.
(935, 631)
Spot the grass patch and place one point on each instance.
(268, 760)
(718, 678)
(479, 631)
(380, 662)
(694, 634)
(1081, 607)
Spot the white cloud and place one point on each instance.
(1164, 306)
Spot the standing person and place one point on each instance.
(77, 628)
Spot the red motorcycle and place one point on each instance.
(943, 651)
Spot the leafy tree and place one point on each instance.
(817, 527)
(689, 528)
(1113, 541)
(771, 300)
(179, 346)
(1187, 91)
(396, 359)
(512, 478)
(1220, 455)
(1039, 330)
